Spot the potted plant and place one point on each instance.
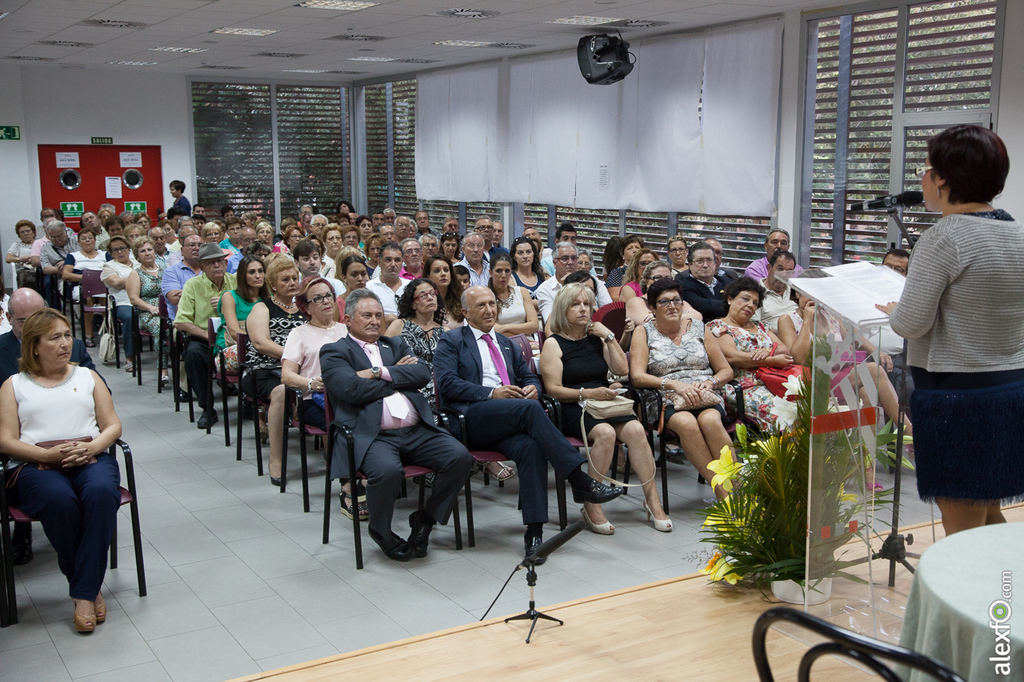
(764, 528)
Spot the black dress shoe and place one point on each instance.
(276, 482)
(21, 544)
(394, 548)
(182, 396)
(209, 418)
(420, 534)
(596, 492)
(532, 542)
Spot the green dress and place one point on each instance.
(242, 310)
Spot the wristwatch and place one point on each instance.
(376, 372)
(609, 337)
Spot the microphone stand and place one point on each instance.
(894, 547)
(532, 614)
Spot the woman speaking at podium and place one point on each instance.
(965, 331)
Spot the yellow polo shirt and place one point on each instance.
(194, 306)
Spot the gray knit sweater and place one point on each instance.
(962, 308)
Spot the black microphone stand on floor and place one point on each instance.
(894, 547)
(532, 614)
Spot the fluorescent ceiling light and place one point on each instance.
(3, 14)
(462, 43)
(583, 21)
(260, 32)
(371, 59)
(340, 5)
(130, 63)
(187, 50)
(305, 71)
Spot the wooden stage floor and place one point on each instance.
(676, 629)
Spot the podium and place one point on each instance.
(848, 433)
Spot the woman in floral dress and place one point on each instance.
(748, 345)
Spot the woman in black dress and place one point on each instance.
(574, 364)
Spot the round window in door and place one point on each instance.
(132, 178)
(70, 178)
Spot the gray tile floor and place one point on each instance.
(239, 581)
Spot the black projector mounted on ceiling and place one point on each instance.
(604, 59)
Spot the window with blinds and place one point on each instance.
(947, 66)
(234, 147)
(653, 227)
(403, 118)
(440, 211)
(376, 122)
(742, 237)
(311, 147)
(481, 209)
(536, 215)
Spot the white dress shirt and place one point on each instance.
(547, 291)
(388, 297)
(490, 376)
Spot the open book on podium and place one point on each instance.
(852, 290)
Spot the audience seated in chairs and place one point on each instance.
(676, 356)
(23, 303)
(439, 270)
(565, 257)
(20, 253)
(702, 289)
(143, 290)
(527, 269)
(776, 239)
(373, 383)
(748, 345)
(268, 326)
(637, 311)
(115, 275)
(176, 275)
(195, 308)
(574, 364)
(628, 247)
(634, 271)
(778, 295)
(725, 275)
(65, 478)
(300, 361)
(354, 275)
(481, 375)
(677, 253)
(517, 313)
(234, 308)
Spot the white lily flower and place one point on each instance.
(794, 386)
(785, 412)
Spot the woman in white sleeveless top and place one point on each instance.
(70, 485)
(516, 311)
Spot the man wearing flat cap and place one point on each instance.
(198, 304)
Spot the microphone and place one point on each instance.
(549, 546)
(910, 198)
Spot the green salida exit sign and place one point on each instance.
(10, 132)
(135, 206)
(72, 209)
(101, 140)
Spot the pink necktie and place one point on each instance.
(499, 363)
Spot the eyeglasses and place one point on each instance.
(568, 259)
(921, 171)
(655, 278)
(317, 300)
(118, 249)
(703, 261)
(670, 302)
(425, 295)
(677, 250)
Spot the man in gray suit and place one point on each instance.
(373, 385)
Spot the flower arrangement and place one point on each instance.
(762, 529)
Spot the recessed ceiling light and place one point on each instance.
(130, 63)
(357, 38)
(371, 59)
(63, 43)
(340, 5)
(462, 43)
(112, 23)
(584, 21)
(186, 50)
(232, 31)
(463, 13)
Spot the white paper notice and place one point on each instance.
(884, 284)
(131, 159)
(113, 187)
(848, 302)
(67, 159)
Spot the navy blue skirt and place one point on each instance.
(969, 436)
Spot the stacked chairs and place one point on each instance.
(10, 513)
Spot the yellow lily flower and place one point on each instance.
(725, 467)
(718, 568)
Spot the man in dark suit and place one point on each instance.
(23, 303)
(725, 275)
(702, 289)
(487, 380)
(373, 384)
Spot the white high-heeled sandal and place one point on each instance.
(661, 525)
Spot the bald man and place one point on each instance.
(23, 303)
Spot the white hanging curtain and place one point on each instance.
(692, 129)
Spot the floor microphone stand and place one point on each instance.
(894, 547)
(532, 614)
